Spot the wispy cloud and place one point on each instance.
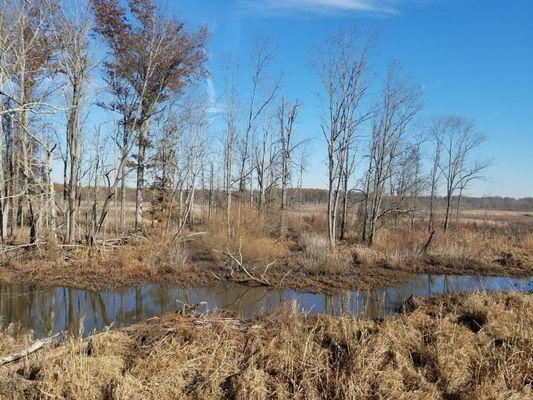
(276, 7)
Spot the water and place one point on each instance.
(46, 311)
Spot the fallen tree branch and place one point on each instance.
(26, 352)
(239, 262)
(425, 247)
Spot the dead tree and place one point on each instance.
(343, 68)
(459, 165)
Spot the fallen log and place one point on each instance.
(26, 352)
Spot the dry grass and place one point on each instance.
(301, 260)
(528, 243)
(477, 346)
(318, 257)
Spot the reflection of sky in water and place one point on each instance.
(51, 310)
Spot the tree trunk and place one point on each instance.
(332, 220)
(12, 204)
(210, 198)
(50, 203)
(3, 215)
(344, 205)
(73, 144)
(143, 138)
(284, 170)
(448, 209)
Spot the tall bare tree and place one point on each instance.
(459, 164)
(32, 53)
(399, 106)
(230, 72)
(436, 134)
(287, 146)
(75, 62)
(342, 64)
(265, 161)
(263, 91)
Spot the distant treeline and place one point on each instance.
(320, 197)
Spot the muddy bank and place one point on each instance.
(126, 268)
(477, 346)
(109, 273)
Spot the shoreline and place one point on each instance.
(104, 275)
(476, 345)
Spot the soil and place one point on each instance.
(106, 275)
(98, 274)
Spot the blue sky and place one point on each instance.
(471, 57)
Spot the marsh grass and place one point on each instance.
(318, 257)
(476, 346)
(302, 259)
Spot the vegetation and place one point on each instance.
(476, 346)
(481, 244)
(163, 133)
(163, 181)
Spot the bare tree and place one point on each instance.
(287, 147)
(230, 71)
(301, 165)
(399, 106)
(264, 88)
(437, 132)
(265, 161)
(459, 165)
(343, 69)
(31, 54)
(73, 42)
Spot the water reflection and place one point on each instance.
(47, 311)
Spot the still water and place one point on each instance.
(46, 311)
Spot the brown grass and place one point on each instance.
(528, 243)
(477, 346)
(317, 257)
(302, 260)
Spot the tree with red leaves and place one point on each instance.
(153, 54)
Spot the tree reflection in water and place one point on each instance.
(46, 311)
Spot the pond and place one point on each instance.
(50, 310)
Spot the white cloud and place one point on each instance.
(319, 6)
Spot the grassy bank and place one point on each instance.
(252, 253)
(477, 346)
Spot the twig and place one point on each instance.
(284, 276)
